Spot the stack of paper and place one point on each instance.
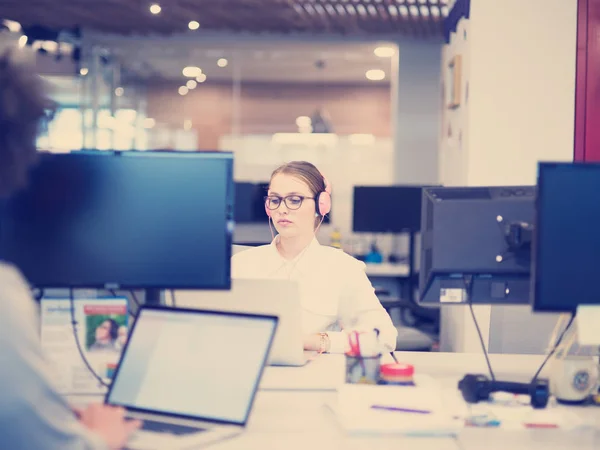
(408, 410)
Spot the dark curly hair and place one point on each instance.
(25, 109)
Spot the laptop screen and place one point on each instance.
(192, 363)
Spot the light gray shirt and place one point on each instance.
(33, 415)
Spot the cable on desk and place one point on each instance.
(468, 280)
(556, 344)
(135, 299)
(114, 294)
(76, 336)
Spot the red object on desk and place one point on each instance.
(397, 373)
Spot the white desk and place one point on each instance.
(296, 418)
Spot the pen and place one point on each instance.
(396, 408)
(540, 425)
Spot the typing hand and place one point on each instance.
(109, 423)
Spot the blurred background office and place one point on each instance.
(376, 93)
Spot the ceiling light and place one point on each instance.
(375, 75)
(201, 78)
(84, 71)
(191, 84)
(22, 41)
(403, 10)
(183, 90)
(193, 25)
(222, 62)
(119, 91)
(424, 11)
(385, 52)
(13, 27)
(149, 122)
(155, 8)
(191, 71)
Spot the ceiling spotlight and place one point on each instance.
(84, 71)
(201, 78)
(183, 90)
(119, 91)
(191, 71)
(222, 62)
(191, 84)
(22, 41)
(155, 8)
(385, 52)
(13, 27)
(375, 75)
(193, 25)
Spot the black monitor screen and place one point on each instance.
(387, 209)
(123, 220)
(250, 203)
(567, 238)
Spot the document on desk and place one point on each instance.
(522, 417)
(102, 329)
(407, 410)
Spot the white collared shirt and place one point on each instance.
(335, 292)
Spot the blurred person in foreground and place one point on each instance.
(33, 414)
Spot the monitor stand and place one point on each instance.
(152, 297)
(587, 319)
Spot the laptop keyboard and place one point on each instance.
(161, 427)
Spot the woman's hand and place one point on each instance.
(317, 342)
(109, 423)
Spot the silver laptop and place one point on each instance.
(180, 373)
(280, 298)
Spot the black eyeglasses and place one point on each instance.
(291, 201)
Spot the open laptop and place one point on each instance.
(280, 298)
(190, 375)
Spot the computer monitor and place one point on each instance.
(386, 209)
(123, 220)
(566, 243)
(476, 245)
(250, 203)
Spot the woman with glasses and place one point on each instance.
(336, 294)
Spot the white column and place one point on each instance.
(416, 98)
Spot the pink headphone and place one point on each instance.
(323, 200)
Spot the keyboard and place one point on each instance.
(162, 427)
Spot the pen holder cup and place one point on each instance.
(362, 369)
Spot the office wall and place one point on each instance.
(517, 108)
(270, 108)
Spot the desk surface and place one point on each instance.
(297, 418)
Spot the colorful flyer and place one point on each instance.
(102, 327)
